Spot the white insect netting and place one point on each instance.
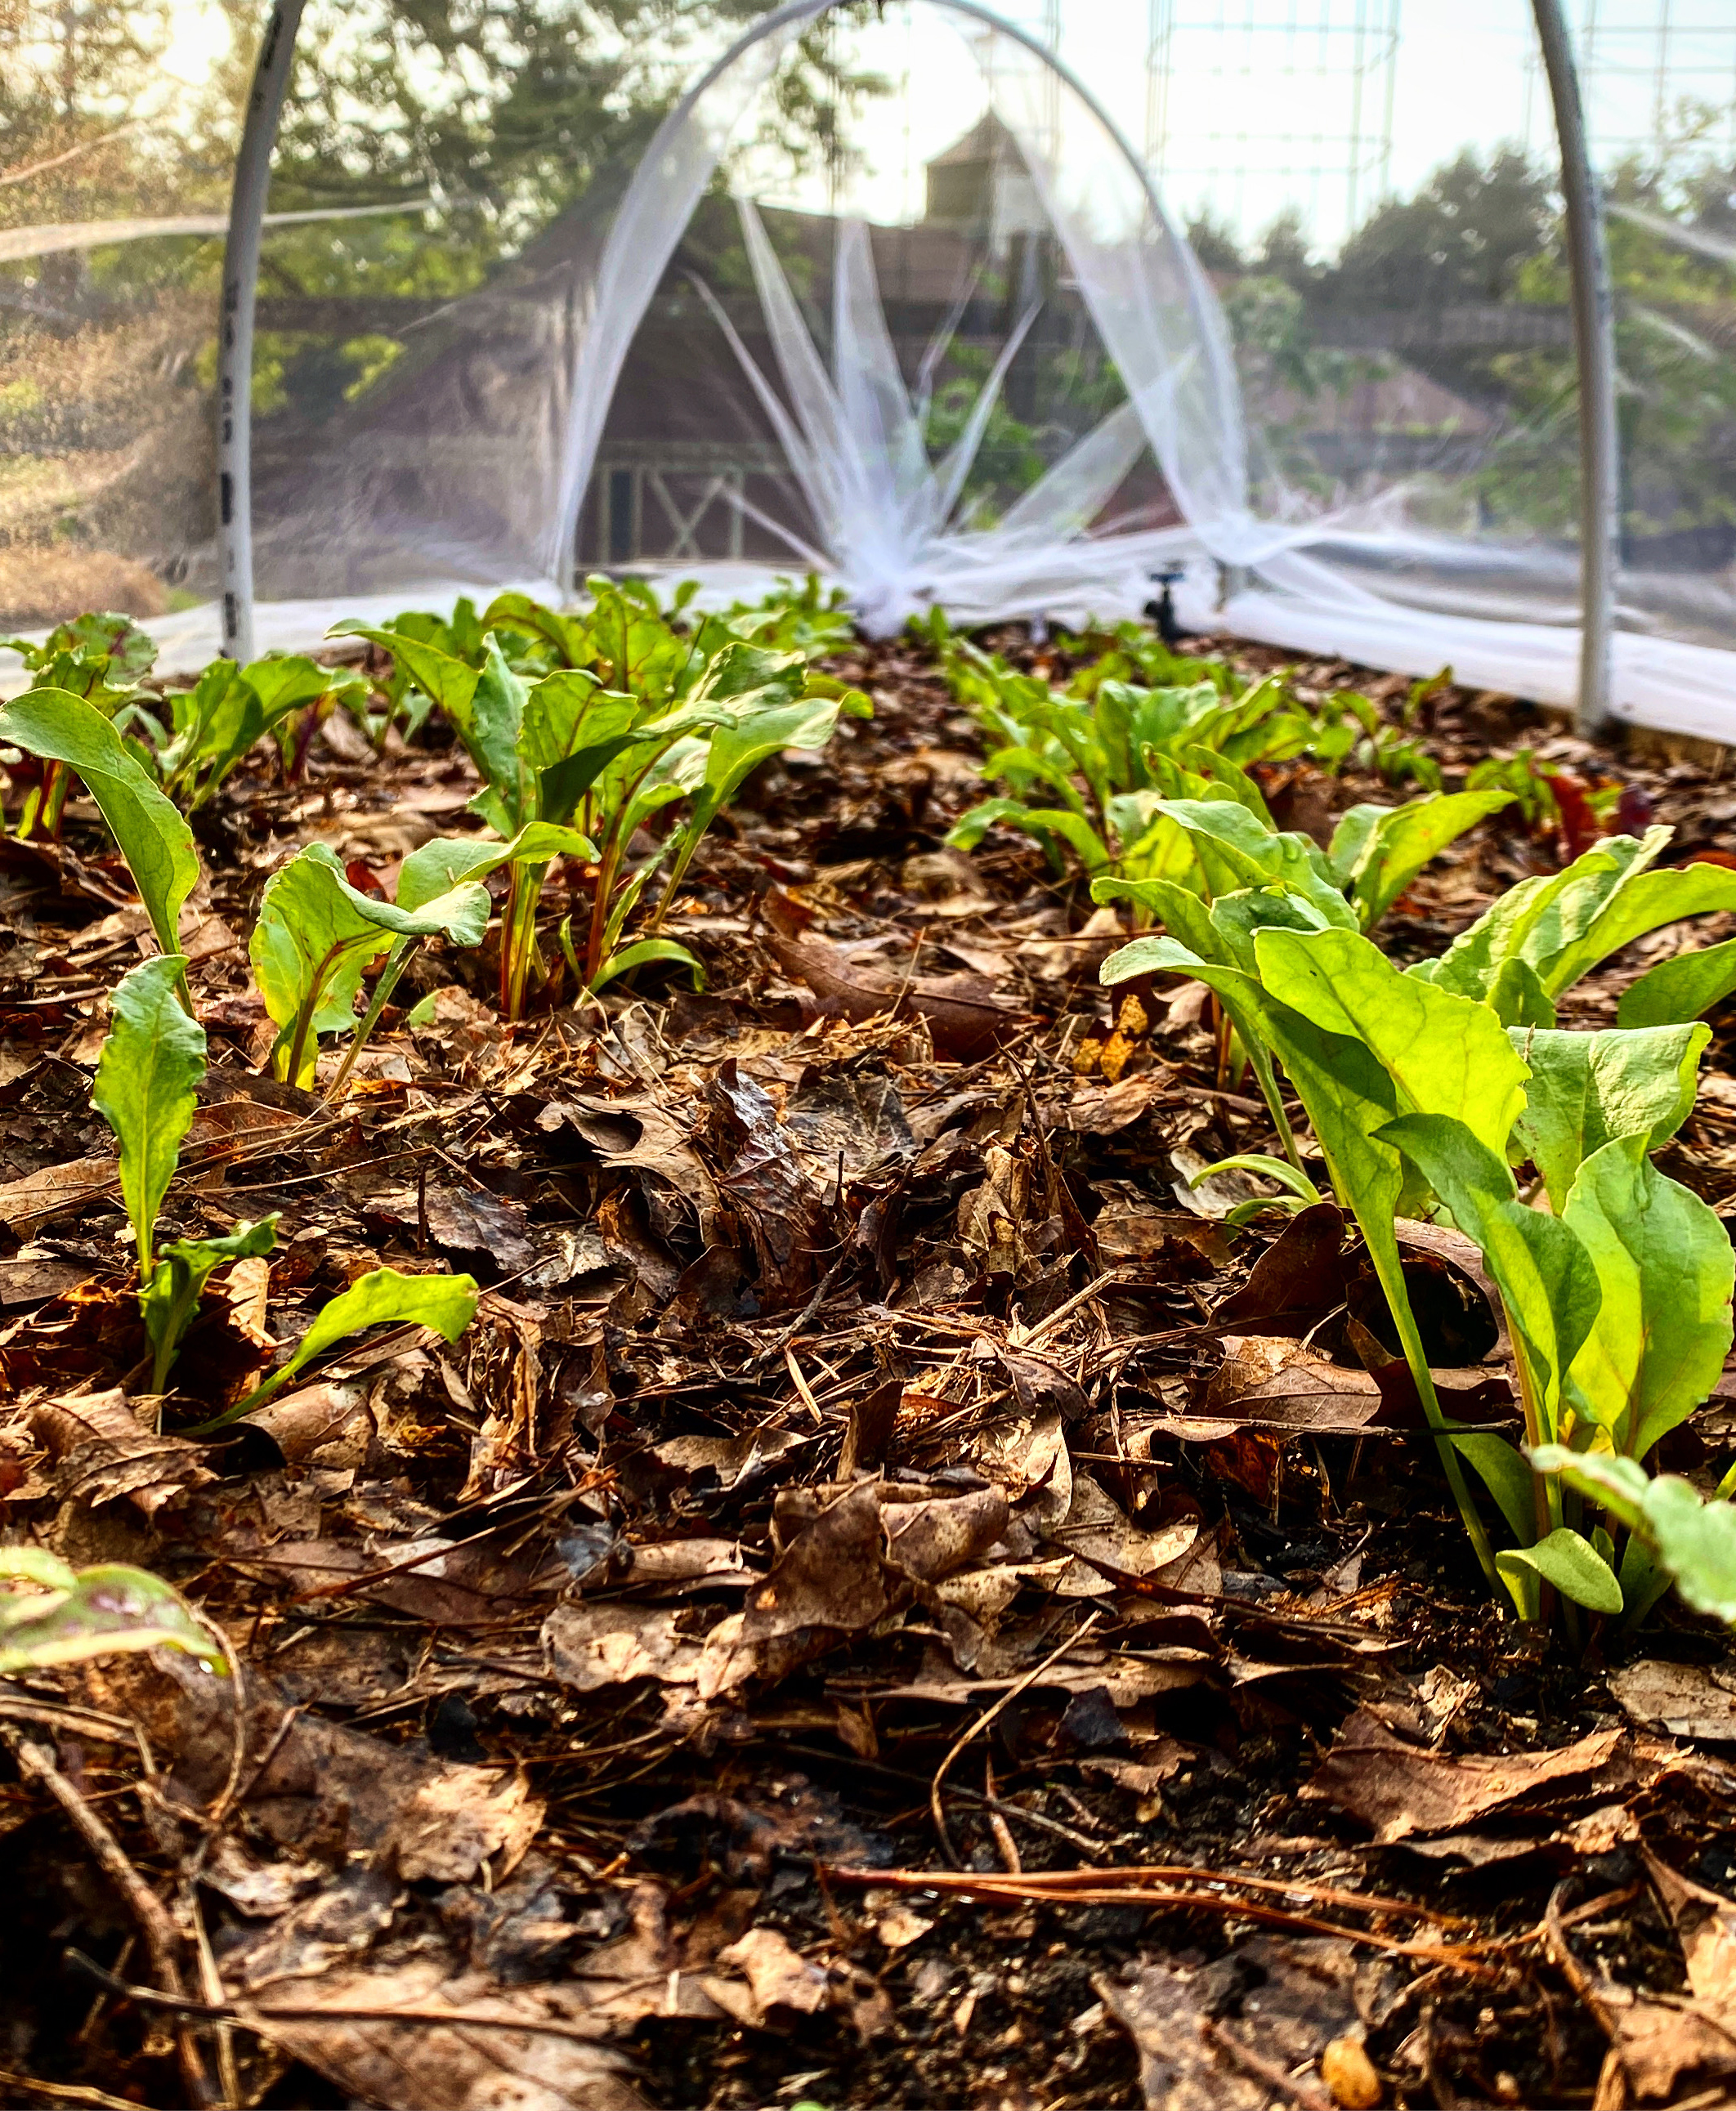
(885, 294)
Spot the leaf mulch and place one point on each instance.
(893, 1603)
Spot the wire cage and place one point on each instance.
(999, 307)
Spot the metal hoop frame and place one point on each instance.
(1594, 309)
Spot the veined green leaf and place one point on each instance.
(1235, 850)
(1547, 1279)
(1377, 852)
(1177, 908)
(969, 830)
(445, 1304)
(1572, 1564)
(316, 933)
(448, 861)
(1541, 919)
(1683, 988)
(1666, 1270)
(1446, 1055)
(1587, 1088)
(170, 1300)
(154, 839)
(1696, 1541)
(449, 681)
(1646, 902)
(92, 1613)
(146, 1087)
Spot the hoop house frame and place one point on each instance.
(618, 319)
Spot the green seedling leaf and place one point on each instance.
(1696, 1542)
(1645, 902)
(170, 1301)
(154, 839)
(1503, 1471)
(1665, 1270)
(317, 932)
(1267, 1169)
(1181, 911)
(1235, 850)
(1377, 852)
(641, 954)
(1446, 1055)
(146, 1088)
(1683, 988)
(1619, 1485)
(1538, 920)
(1587, 1088)
(445, 1304)
(1572, 1564)
(1051, 823)
(80, 1615)
(449, 861)
(1547, 1279)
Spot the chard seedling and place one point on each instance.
(1620, 1314)
(146, 1089)
(154, 839)
(445, 1304)
(72, 1616)
(576, 762)
(230, 709)
(1542, 935)
(316, 934)
(87, 658)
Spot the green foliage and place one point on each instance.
(1542, 935)
(1617, 1300)
(148, 1075)
(230, 709)
(99, 658)
(1116, 771)
(170, 1301)
(1685, 987)
(583, 726)
(71, 1616)
(1587, 1088)
(316, 934)
(445, 1304)
(154, 839)
(1620, 1315)
(1691, 1541)
(1378, 850)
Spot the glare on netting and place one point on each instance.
(1004, 310)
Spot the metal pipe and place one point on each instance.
(1595, 355)
(247, 211)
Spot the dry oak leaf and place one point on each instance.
(778, 1980)
(103, 1451)
(471, 2064)
(1687, 1699)
(1396, 1789)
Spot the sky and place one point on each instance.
(1259, 109)
(1260, 96)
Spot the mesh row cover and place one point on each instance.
(938, 339)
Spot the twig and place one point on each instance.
(146, 1908)
(65, 2092)
(1296, 2087)
(1060, 1882)
(985, 1718)
(259, 2016)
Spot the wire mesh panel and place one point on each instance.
(117, 125)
